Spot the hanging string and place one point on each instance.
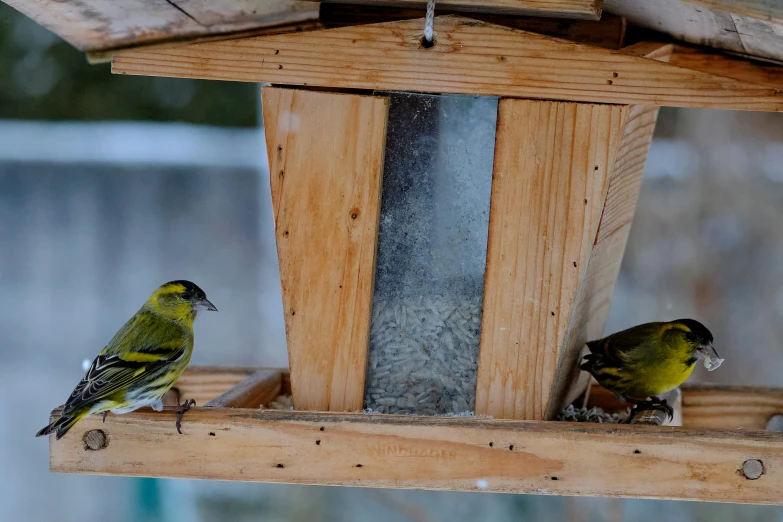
(429, 20)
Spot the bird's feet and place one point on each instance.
(105, 413)
(181, 409)
(654, 403)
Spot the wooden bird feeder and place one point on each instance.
(575, 114)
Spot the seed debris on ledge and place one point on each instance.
(595, 414)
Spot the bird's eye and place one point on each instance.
(186, 296)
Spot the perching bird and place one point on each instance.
(642, 363)
(143, 360)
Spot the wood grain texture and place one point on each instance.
(325, 161)
(574, 9)
(711, 406)
(92, 25)
(732, 407)
(740, 26)
(469, 57)
(597, 285)
(552, 165)
(106, 55)
(204, 383)
(431, 453)
(721, 64)
(769, 10)
(608, 32)
(256, 391)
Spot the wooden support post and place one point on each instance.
(325, 161)
(261, 388)
(597, 286)
(553, 161)
(564, 194)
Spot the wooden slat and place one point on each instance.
(597, 286)
(731, 407)
(257, 390)
(204, 383)
(106, 55)
(92, 25)
(552, 164)
(431, 453)
(574, 9)
(325, 161)
(728, 66)
(706, 406)
(769, 10)
(739, 26)
(470, 57)
(608, 32)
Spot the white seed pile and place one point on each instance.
(571, 414)
(423, 356)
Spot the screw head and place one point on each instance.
(753, 469)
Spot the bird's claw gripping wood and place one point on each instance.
(181, 409)
(653, 403)
(105, 413)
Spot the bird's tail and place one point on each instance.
(62, 425)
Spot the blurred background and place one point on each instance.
(111, 185)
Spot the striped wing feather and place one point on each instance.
(111, 373)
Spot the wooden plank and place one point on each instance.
(326, 159)
(574, 9)
(769, 10)
(731, 407)
(748, 27)
(431, 453)
(710, 406)
(256, 391)
(106, 55)
(470, 57)
(552, 164)
(597, 285)
(728, 66)
(92, 25)
(204, 383)
(608, 32)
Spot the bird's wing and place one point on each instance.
(112, 372)
(626, 346)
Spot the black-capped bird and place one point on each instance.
(642, 363)
(142, 361)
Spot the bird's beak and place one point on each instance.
(711, 359)
(204, 304)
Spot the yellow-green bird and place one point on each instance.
(142, 361)
(642, 363)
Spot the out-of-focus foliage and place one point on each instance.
(42, 77)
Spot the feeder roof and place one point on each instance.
(747, 27)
